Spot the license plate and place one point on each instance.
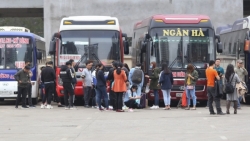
(6, 93)
(178, 94)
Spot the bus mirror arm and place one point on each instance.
(93, 54)
(218, 38)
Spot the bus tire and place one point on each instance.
(34, 101)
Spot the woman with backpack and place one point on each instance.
(153, 85)
(119, 86)
(231, 78)
(166, 82)
(190, 82)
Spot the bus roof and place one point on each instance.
(89, 22)
(13, 33)
(173, 19)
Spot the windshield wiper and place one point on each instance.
(94, 55)
(83, 57)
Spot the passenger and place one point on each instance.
(23, 79)
(190, 82)
(94, 92)
(166, 82)
(211, 74)
(112, 95)
(67, 75)
(48, 78)
(131, 97)
(241, 72)
(101, 88)
(154, 84)
(233, 78)
(41, 85)
(137, 79)
(29, 87)
(74, 80)
(119, 86)
(87, 83)
(126, 69)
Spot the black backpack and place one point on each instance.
(229, 88)
(137, 76)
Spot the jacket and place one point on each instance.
(166, 81)
(130, 77)
(154, 79)
(74, 80)
(66, 74)
(111, 75)
(101, 81)
(24, 77)
(48, 75)
(120, 82)
(193, 81)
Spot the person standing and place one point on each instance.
(166, 82)
(67, 75)
(119, 86)
(232, 78)
(48, 77)
(136, 77)
(154, 77)
(110, 78)
(29, 87)
(211, 74)
(87, 83)
(23, 79)
(241, 72)
(190, 82)
(101, 87)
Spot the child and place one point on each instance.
(131, 97)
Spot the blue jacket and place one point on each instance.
(130, 77)
(101, 81)
(166, 81)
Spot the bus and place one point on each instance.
(14, 28)
(16, 47)
(82, 38)
(235, 42)
(177, 40)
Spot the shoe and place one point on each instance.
(94, 107)
(106, 109)
(72, 108)
(49, 107)
(124, 108)
(42, 106)
(213, 113)
(111, 107)
(101, 109)
(32, 106)
(220, 113)
(16, 107)
(206, 107)
(25, 107)
(87, 106)
(130, 110)
(153, 107)
(120, 111)
(66, 108)
(156, 107)
(60, 106)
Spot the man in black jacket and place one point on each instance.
(67, 75)
(48, 77)
(110, 78)
(23, 79)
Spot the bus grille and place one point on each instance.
(181, 88)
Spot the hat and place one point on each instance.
(239, 61)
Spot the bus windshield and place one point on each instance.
(14, 51)
(90, 45)
(180, 46)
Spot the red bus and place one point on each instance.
(176, 40)
(82, 38)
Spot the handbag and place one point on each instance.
(190, 87)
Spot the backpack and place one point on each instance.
(229, 88)
(137, 76)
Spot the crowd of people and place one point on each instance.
(126, 85)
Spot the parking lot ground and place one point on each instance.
(57, 124)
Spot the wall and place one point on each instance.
(131, 11)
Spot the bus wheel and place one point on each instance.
(34, 101)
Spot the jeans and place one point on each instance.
(29, 90)
(156, 96)
(239, 100)
(87, 95)
(68, 94)
(166, 96)
(213, 97)
(49, 89)
(131, 103)
(191, 93)
(119, 100)
(102, 93)
(21, 91)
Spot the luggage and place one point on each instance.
(143, 101)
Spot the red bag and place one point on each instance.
(184, 99)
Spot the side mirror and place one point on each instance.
(147, 36)
(124, 35)
(52, 47)
(246, 46)
(217, 37)
(219, 47)
(39, 55)
(126, 47)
